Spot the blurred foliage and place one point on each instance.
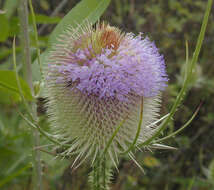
(9, 89)
(169, 23)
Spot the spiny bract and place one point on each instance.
(97, 77)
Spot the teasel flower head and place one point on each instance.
(98, 77)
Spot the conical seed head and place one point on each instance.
(95, 79)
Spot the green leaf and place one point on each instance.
(89, 10)
(4, 28)
(43, 19)
(9, 90)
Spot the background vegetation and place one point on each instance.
(169, 23)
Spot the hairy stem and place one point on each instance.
(97, 173)
(104, 177)
(101, 174)
(28, 76)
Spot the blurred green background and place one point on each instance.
(167, 22)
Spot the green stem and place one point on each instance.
(100, 174)
(96, 174)
(20, 92)
(94, 177)
(104, 173)
(28, 75)
(36, 35)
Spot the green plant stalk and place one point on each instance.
(97, 179)
(104, 173)
(187, 61)
(100, 173)
(96, 173)
(190, 67)
(20, 92)
(37, 181)
(36, 35)
(93, 179)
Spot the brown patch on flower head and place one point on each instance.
(100, 37)
(110, 37)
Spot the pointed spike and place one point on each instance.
(162, 146)
(137, 164)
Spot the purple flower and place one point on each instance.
(97, 77)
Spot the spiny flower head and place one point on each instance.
(98, 77)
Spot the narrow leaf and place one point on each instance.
(43, 19)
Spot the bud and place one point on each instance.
(95, 79)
